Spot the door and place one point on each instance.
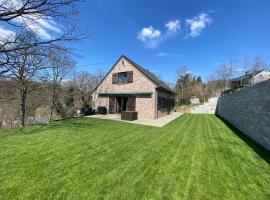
(121, 104)
(131, 104)
(112, 104)
(124, 103)
(168, 106)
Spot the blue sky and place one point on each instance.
(162, 35)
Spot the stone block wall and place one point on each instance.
(249, 111)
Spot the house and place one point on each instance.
(251, 78)
(130, 87)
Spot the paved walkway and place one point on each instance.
(150, 122)
(207, 108)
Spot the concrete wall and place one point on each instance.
(144, 106)
(249, 111)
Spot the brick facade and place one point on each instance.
(145, 106)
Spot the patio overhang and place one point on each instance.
(139, 94)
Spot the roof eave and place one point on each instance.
(166, 90)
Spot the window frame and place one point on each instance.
(122, 79)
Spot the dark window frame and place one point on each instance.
(165, 103)
(122, 78)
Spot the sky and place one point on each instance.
(163, 35)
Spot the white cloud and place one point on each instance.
(48, 24)
(6, 34)
(42, 25)
(152, 37)
(165, 54)
(173, 25)
(198, 23)
(12, 4)
(149, 34)
(162, 54)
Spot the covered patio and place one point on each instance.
(123, 101)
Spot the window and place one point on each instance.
(161, 103)
(122, 78)
(165, 103)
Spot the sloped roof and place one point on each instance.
(249, 75)
(151, 76)
(160, 84)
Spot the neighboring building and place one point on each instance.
(251, 78)
(261, 75)
(130, 87)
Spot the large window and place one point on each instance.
(122, 78)
(165, 103)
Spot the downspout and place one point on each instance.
(156, 106)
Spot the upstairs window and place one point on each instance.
(122, 78)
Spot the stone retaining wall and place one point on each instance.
(249, 111)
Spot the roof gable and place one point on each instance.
(159, 84)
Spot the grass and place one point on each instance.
(193, 157)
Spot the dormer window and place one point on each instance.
(122, 77)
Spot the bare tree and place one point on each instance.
(23, 67)
(258, 64)
(85, 83)
(214, 84)
(10, 10)
(60, 64)
(227, 71)
(37, 16)
(246, 64)
(183, 83)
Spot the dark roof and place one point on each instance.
(160, 84)
(249, 75)
(151, 76)
(125, 93)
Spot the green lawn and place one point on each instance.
(193, 157)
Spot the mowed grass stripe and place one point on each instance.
(148, 164)
(160, 179)
(193, 157)
(239, 165)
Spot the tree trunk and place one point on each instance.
(23, 94)
(52, 102)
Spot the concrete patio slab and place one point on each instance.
(150, 122)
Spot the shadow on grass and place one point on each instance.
(260, 150)
(38, 128)
(29, 129)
